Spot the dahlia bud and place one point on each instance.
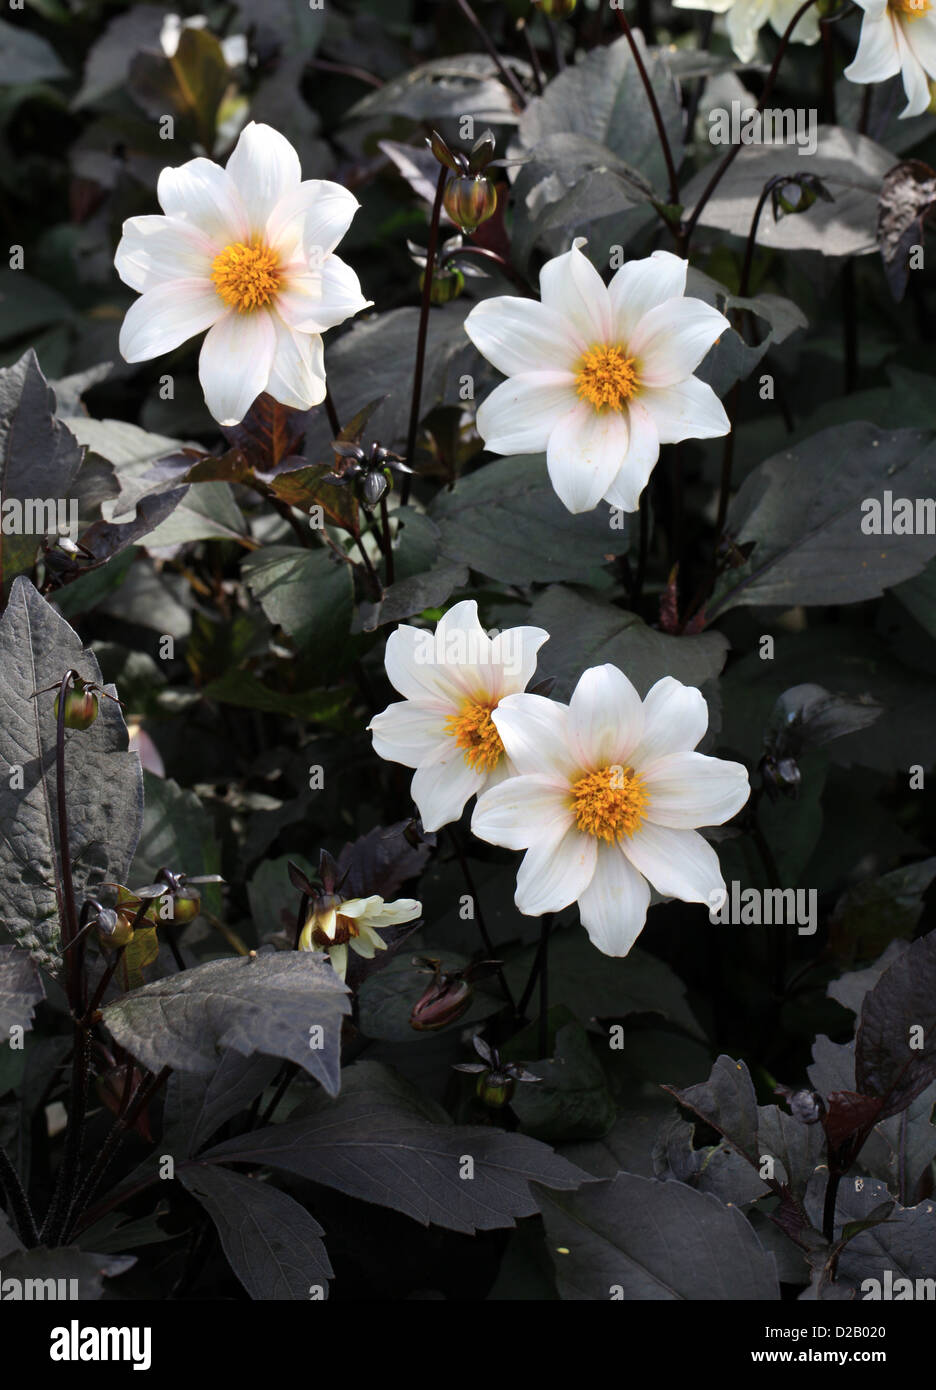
(447, 284)
(185, 906)
(556, 9)
(444, 1000)
(81, 706)
(470, 201)
(495, 1089)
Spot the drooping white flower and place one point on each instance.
(746, 18)
(248, 253)
(608, 796)
(599, 376)
(452, 681)
(335, 924)
(898, 36)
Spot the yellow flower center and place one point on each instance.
(475, 734)
(246, 277)
(912, 9)
(609, 803)
(606, 377)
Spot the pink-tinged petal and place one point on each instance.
(671, 340)
(584, 453)
(640, 286)
(877, 57)
(572, 288)
(167, 316)
(605, 718)
(414, 669)
(441, 790)
(513, 653)
(519, 415)
(555, 872)
(688, 410)
(157, 250)
(297, 376)
(201, 194)
(410, 733)
(686, 790)
(264, 169)
(315, 300)
(521, 335)
(535, 734)
(678, 863)
(309, 222)
(675, 719)
(643, 450)
(519, 811)
(613, 907)
(235, 363)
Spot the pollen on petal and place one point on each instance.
(246, 277)
(610, 803)
(476, 735)
(910, 9)
(606, 377)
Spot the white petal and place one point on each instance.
(518, 416)
(744, 21)
(264, 168)
(234, 364)
(912, 75)
(921, 37)
(521, 335)
(201, 194)
(877, 57)
(675, 719)
(395, 913)
(536, 735)
(554, 872)
(409, 733)
(518, 812)
(311, 220)
(571, 286)
(686, 790)
(678, 863)
(297, 376)
(513, 652)
(584, 452)
(671, 340)
(440, 790)
(688, 410)
(167, 316)
(641, 285)
(605, 718)
(338, 955)
(806, 31)
(415, 671)
(156, 250)
(613, 907)
(643, 450)
(315, 300)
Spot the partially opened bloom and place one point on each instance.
(608, 796)
(248, 253)
(452, 681)
(898, 36)
(746, 18)
(335, 924)
(599, 376)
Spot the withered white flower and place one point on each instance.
(452, 681)
(746, 18)
(334, 924)
(599, 376)
(898, 36)
(246, 252)
(608, 796)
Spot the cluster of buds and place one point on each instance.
(497, 1080)
(369, 471)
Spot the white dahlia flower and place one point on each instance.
(898, 36)
(246, 252)
(608, 796)
(452, 681)
(599, 376)
(746, 18)
(335, 924)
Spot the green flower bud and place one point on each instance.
(447, 285)
(81, 707)
(470, 201)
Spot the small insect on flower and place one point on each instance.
(246, 252)
(599, 376)
(452, 681)
(608, 796)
